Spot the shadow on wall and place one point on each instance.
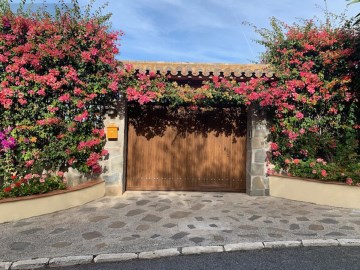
(151, 121)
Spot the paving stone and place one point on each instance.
(19, 245)
(155, 236)
(97, 218)
(349, 228)
(117, 225)
(197, 206)
(335, 234)
(268, 221)
(250, 235)
(218, 238)
(120, 205)
(225, 211)
(227, 231)
(179, 214)
(305, 234)
(207, 201)
(329, 221)
(30, 264)
(179, 235)
(275, 235)
(135, 212)
(165, 201)
(254, 217)
(115, 257)
(190, 226)
(70, 261)
(61, 244)
(234, 218)
(302, 219)
(128, 238)
(32, 231)
(201, 250)
(151, 218)
(248, 227)
(357, 222)
(199, 218)
(142, 227)
(101, 245)
(320, 243)
(163, 208)
(316, 227)
(159, 253)
(142, 202)
(197, 240)
(213, 225)
(88, 209)
(169, 225)
(294, 227)
(349, 242)
(22, 223)
(59, 230)
(244, 246)
(215, 218)
(91, 235)
(282, 244)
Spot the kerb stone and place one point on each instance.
(349, 242)
(115, 257)
(70, 260)
(5, 265)
(159, 253)
(244, 246)
(320, 242)
(30, 264)
(282, 244)
(201, 249)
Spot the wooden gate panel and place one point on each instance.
(185, 150)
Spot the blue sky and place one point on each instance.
(204, 30)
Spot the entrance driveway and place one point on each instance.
(142, 221)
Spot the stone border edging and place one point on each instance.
(15, 209)
(170, 252)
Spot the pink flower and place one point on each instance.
(349, 181)
(323, 173)
(29, 163)
(65, 98)
(312, 164)
(296, 161)
(299, 115)
(314, 171)
(287, 161)
(274, 146)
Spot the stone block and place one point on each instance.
(159, 253)
(320, 242)
(257, 169)
(112, 179)
(349, 242)
(257, 183)
(5, 265)
(282, 244)
(260, 156)
(70, 260)
(244, 246)
(258, 143)
(115, 257)
(114, 190)
(30, 264)
(117, 164)
(201, 249)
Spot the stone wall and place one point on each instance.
(114, 166)
(257, 182)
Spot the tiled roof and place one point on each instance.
(184, 68)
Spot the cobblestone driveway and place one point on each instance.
(140, 221)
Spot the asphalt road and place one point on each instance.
(316, 258)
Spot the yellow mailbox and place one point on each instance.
(112, 131)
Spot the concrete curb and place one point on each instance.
(161, 253)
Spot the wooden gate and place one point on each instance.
(186, 150)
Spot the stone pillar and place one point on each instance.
(114, 166)
(257, 183)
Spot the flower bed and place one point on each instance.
(13, 209)
(314, 191)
